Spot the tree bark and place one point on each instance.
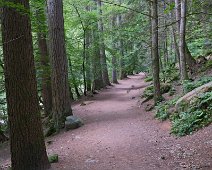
(123, 73)
(26, 136)
(189, 59)
(175, 45)
(165, 41)
(114, 61)
(46, 91)
(59, 63)
(105, 75)
(155, 55)
(182, 49)
(96, 64)
(73, 80)
(88, 62)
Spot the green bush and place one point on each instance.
(170, 73)
(149, 91)
(208, 64)
(53, 158)
(197, 116)
(148, 79)
(191, 85)
(163, 109)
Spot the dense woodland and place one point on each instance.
(56, 52)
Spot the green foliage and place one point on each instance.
(149, 91)
(17, 6)
(198, 115)
(209, 64)
(163, 109)
(3, 105)
(148, 79)
(169, 73)
(172, 91)
(53, 158)
(191, 85)
(169, 8)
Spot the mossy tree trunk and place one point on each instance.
(155, 55)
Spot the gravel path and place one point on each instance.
(120, 135)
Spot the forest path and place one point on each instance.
(120, 135)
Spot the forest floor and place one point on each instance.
(120, 135)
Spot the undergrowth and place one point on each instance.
(149, 91)
(189, 85)
(163, 109)
(198, 115)
(168, 74)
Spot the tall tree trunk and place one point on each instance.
(73, 79)
(175, 45)
(165, 50)
(102, 46)
(96, 58)
(114, 61)
(46, 90)
(96, 64)
(155, 55)
(26, 136)
(88, 55)
(189, 59)
(123, 73)
(60, 85)
(173, 31)
(182, 49)
(165, 41)
(88, 61)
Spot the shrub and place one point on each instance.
(197, 116)
(170, 73)
(189, 85)
(149, 91)
(163, 110)
(148, 79)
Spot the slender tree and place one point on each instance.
(188, 57)
(46, 90)
(105, 75)
(123, 73)
(114, 60)
(182, 48)
(59, 63)
(155, 55)
(98, 82)
(96, 63)
(26, 137)
(88, 60)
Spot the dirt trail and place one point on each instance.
(120, 135)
